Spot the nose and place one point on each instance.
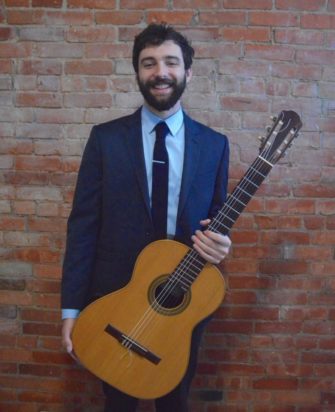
(161, 70)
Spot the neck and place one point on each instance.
(165, 113)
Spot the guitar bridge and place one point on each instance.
(132, 344)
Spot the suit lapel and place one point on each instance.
(191, 160)
(135, 148)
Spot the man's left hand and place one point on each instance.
(212, 246)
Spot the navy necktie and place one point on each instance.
(160, 178)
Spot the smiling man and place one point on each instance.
(119, 207)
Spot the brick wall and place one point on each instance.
(64, 66)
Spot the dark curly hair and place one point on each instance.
(155, 35)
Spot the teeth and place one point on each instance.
(162, 86)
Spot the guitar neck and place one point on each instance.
(192, 264)
(241, 196)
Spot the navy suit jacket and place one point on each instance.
(110, 222)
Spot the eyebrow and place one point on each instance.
(168, 57)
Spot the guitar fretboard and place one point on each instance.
(192, 264)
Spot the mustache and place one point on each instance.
(158, 81)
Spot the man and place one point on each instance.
(112, 217)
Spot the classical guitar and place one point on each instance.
(137, 339)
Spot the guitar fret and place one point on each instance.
(254, 184)
(244, 191)
(266, 161)
(231, 208)
(222, 224)
(238, 200)
(258, 172)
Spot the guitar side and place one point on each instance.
(165, 333)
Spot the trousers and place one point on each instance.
(176, 400)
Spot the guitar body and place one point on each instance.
(163, 331)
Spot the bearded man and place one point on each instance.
(120, 206)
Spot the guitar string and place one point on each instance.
(171, 285)
(191, 256)
(178, 274)
(189, 259)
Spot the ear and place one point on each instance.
(188, 74)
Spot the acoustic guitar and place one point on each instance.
(137, 339)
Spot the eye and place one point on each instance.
(148, 63)
(172, 62)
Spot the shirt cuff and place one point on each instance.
(70, 313)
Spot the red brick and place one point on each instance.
(65, 50)
(265, 52)
(17, 3)
(318, 21)
(48, 271)
(316, 56)
(276, 384)
(104, 50)
(193, 4)
(47, 3)
(38, 100)
(91, 34)
(19, 355)
(250, 282)
(310, 190)
(12, 223)
(47, 225)
(44, 66)
(6, 33)
(143, 4)
(46, 163)
(244, 104)
(37, 255)
(18, 17)
(288, 267)
(15, 50)
(264, 18)
(37, 370)
(91, 100)
(93, 67)
(258, 34)
(52, 17)
(245, 4)
(92, 4)
(119, 17)
(312, 5)
(170, 17)
(296, 36)
(222, 17)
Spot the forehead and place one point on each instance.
(167, 48)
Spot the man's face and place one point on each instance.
(162, 77)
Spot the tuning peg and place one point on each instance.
(261, 139)
(268, 129)
(273, 118)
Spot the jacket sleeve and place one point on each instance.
(83, 227)
(221, 181)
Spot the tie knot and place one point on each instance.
(162, 130)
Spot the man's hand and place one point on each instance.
(213, 247)
(68, 325)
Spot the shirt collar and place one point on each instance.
(174, 122)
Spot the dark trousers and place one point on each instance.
(175, 401)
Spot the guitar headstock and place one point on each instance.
(280, 135)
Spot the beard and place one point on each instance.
(165, 102)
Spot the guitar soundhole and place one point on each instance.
(167, 298)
